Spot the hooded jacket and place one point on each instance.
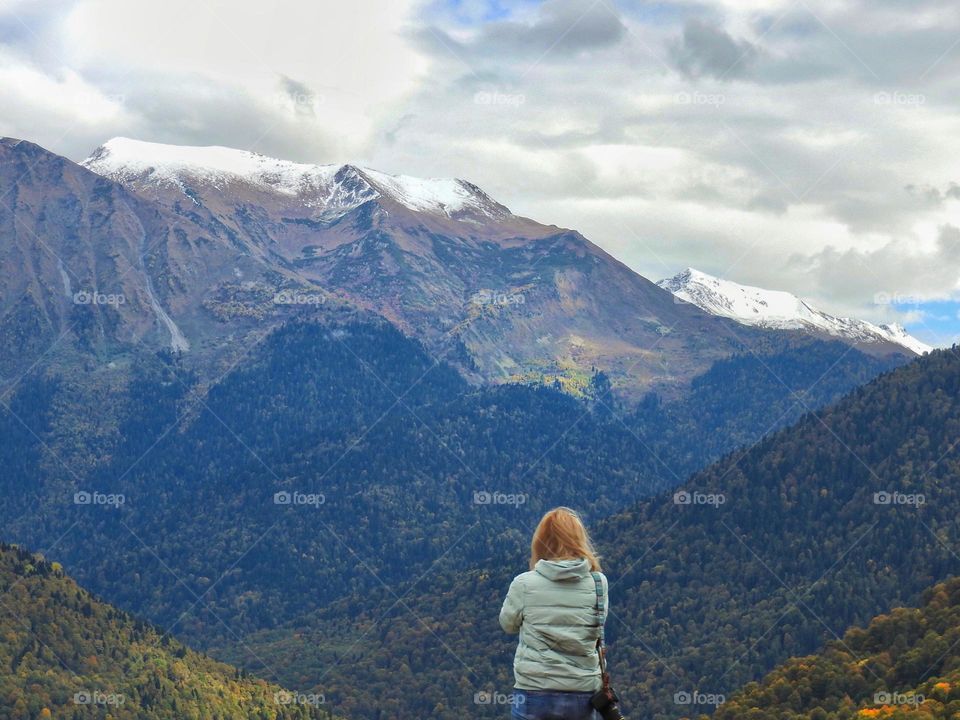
(554, 608)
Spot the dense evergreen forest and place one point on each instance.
(747, 396)
(66, 655)
(823, 525)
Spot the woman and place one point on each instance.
(554, 608)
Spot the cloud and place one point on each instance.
(934, 195)
(897, 269)
(273, 78)
(300, 97)
(706, 50)
(559, 30)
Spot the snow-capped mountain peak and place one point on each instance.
(779, 310)
(332, 188)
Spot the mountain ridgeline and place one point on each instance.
(203, 250)
(777, 309)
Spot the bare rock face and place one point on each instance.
(88, 265)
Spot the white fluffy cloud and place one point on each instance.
(287, 77)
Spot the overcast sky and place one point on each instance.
(810, 146)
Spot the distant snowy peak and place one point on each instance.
(334, 189)
(898, 333)
(779, 310)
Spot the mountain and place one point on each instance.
(742, 398)
(775, 309)
(905, 664)
(501, 296)
(65, 654)
(91, 270)
(327, 191)
(203, 251)
(767, 554)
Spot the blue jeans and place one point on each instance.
(552, 705)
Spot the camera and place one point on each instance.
(606, 703)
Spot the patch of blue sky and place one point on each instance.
(935, 322)
(479, 12)
(658, 13)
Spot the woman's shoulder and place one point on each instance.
(524, 578)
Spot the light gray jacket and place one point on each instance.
(553, 607)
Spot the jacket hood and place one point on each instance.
(563, 569)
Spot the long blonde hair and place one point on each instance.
(561, 535)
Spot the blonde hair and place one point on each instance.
(561, 535)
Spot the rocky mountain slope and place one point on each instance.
(504, 297)
(89, 267)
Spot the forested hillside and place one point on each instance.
(362, 417)
(904, 665)
(819, 527)
(746, 396)
(66, 655)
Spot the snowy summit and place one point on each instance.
(779, 310)
(332, 188)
